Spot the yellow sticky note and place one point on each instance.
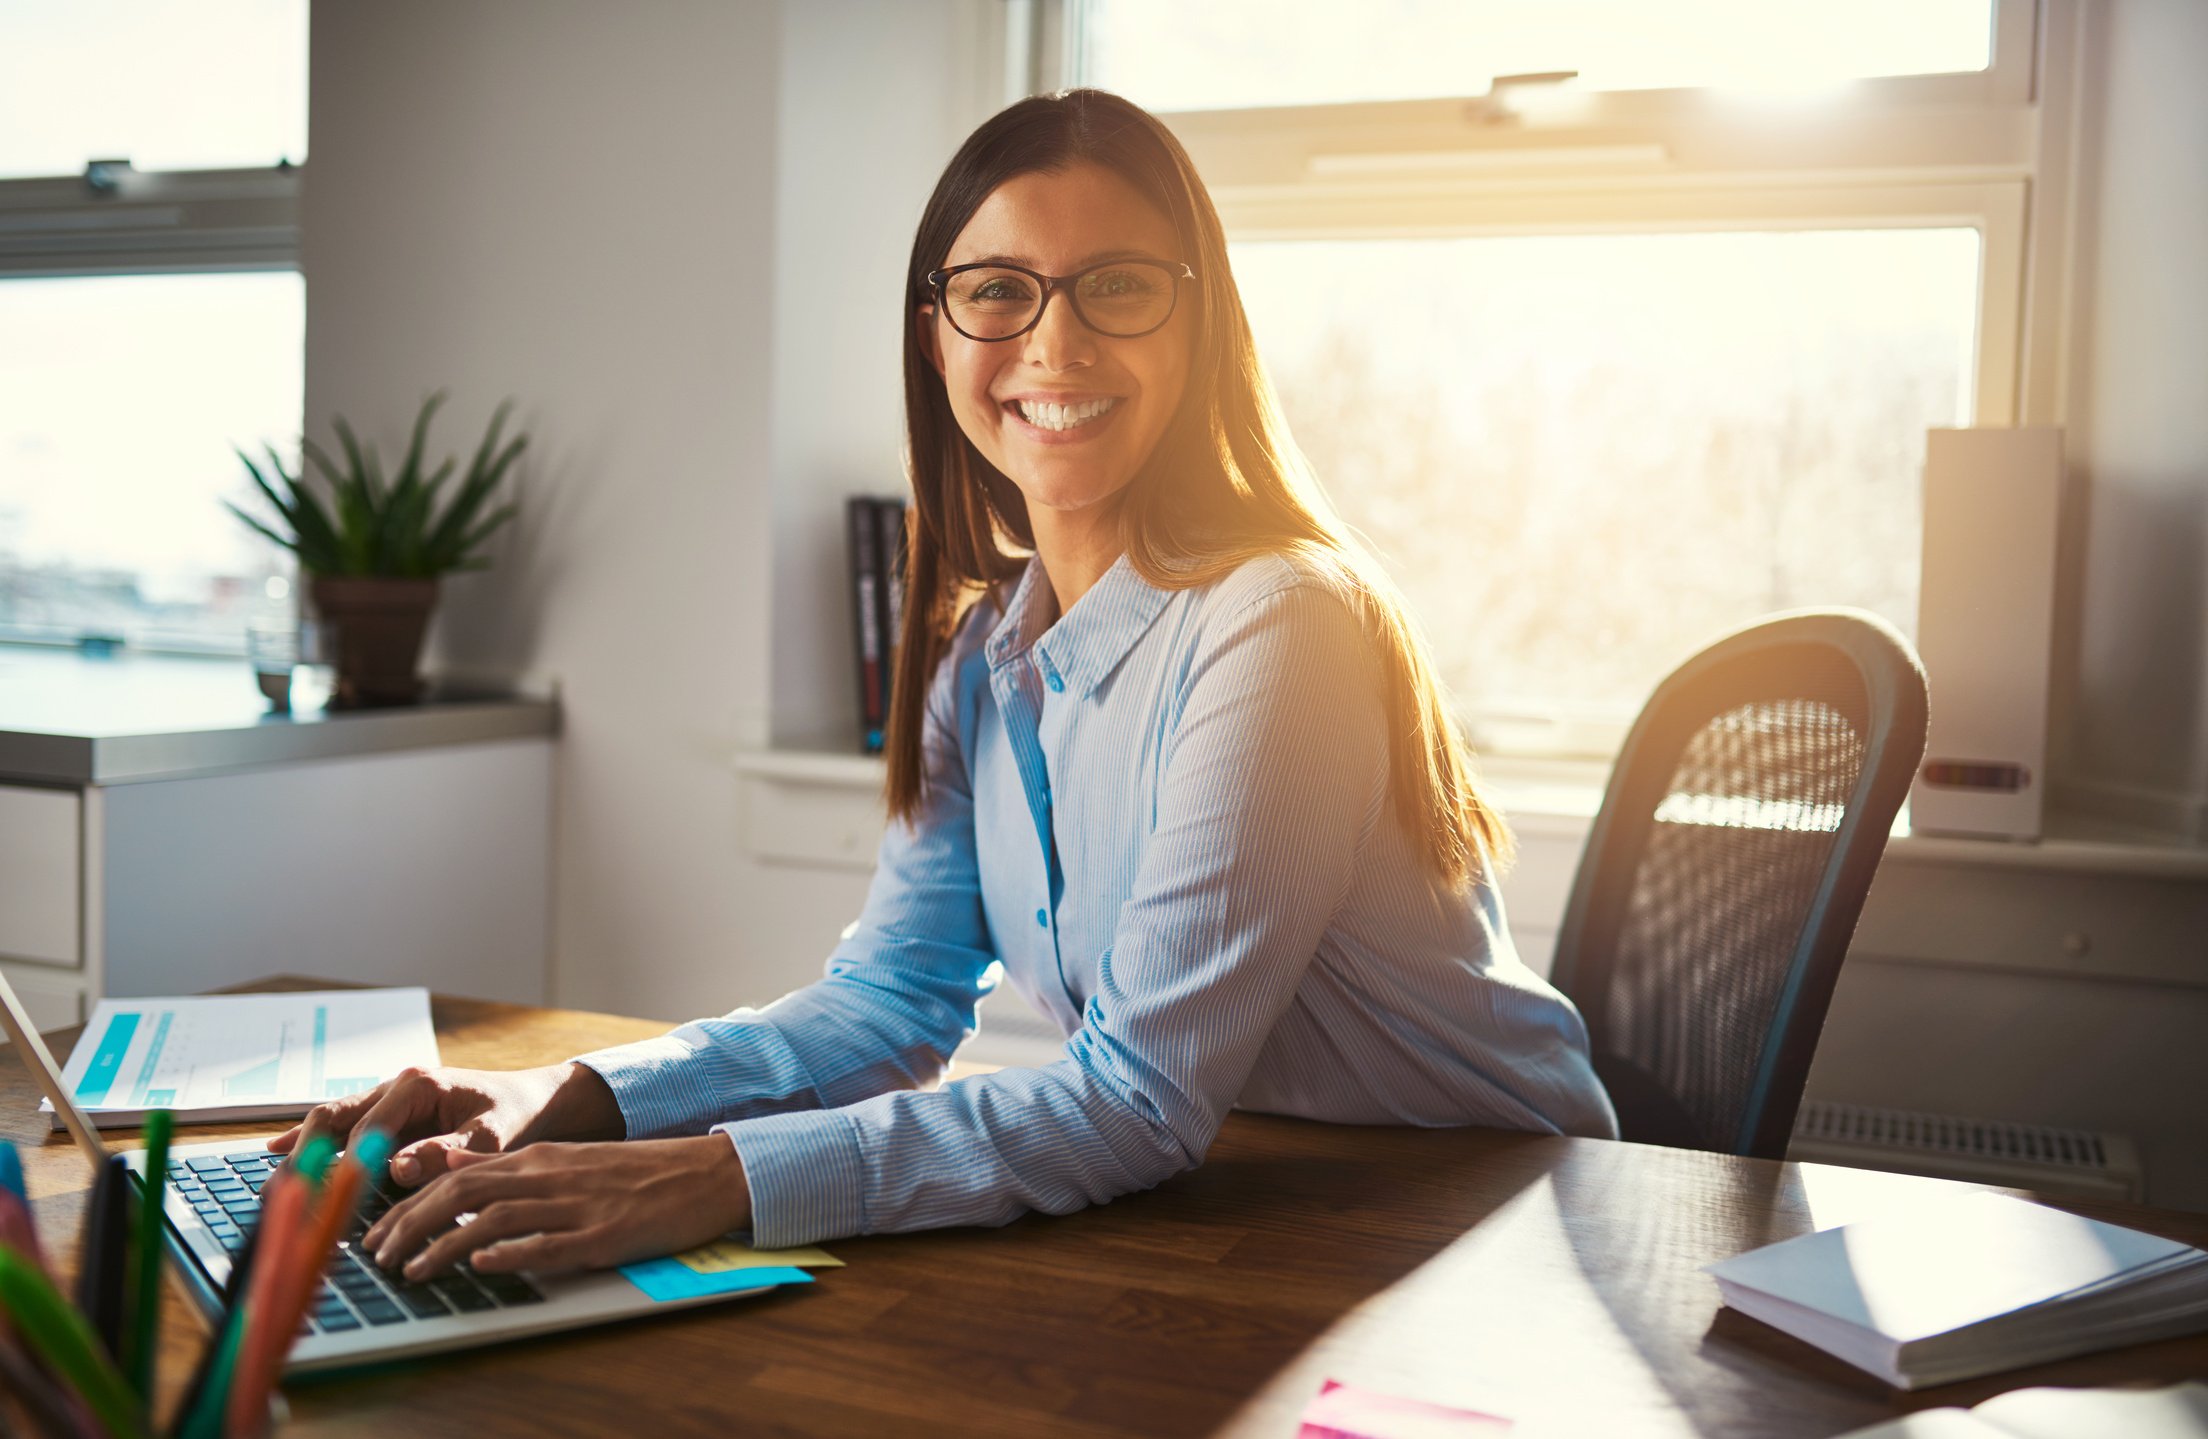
(723, 1255)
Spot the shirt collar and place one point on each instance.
(1089, 640)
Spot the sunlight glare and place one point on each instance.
(1233, 53)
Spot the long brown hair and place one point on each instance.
(1240, 487)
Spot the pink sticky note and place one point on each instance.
(1343, 1411)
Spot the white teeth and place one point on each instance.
(1045, 416)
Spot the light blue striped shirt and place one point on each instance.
(1167, 815)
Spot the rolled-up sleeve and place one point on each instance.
(1275, 777)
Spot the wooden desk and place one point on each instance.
(1550, 1280)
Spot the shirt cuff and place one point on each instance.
(807, 1177)
(664, 1085)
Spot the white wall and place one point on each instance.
(588, 206)
(876, 95)
(2138, 422)
(572, 203)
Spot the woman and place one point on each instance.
(1185, 772)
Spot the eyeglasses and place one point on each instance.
(1120, 298)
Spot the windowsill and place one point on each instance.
(66, 719)
(1559, 788)
(1558, 798)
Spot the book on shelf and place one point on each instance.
(1970, 1285)
(874, 529)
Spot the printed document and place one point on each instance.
(237, 1057)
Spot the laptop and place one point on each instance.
(360, 1314)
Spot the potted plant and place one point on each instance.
(376, 549)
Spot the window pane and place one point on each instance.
(1170, 55)
(119, 402)
(167, 84)
(1585, 456)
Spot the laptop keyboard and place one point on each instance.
(225, 1190)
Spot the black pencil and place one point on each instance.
(103, 1256)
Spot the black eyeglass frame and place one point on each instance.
(939, 283)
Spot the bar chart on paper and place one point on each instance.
(244, 1056)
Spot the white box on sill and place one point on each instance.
(1985, 629)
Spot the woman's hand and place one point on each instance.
(438, 1114)
(556, 1207)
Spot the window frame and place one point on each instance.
(2001, 159)
(1045, 52)
(1643, 160)
(161, 222)
(167, 222)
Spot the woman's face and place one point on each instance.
(1123, 391)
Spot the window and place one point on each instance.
(1606, 363)
(120, 398)
(151, 312)
(1235, 54)
(1584, 455)
(197, 85)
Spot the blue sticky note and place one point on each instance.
(11, 1171)
(668, 1278)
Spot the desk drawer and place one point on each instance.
(54, 1000)
(41, 879)
(2101, 926)
(830, 826)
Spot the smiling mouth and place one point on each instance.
(1045, 416)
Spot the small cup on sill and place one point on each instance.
(273, 650)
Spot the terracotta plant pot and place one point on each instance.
(375, 627)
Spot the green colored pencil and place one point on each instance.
(145, 1319)
(205, 1420)
(66, 1342)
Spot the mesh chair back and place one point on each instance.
(1724, 873)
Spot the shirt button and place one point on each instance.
(1057, 683)
(1042, 918)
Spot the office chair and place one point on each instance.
(1724, 874)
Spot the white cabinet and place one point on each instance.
(423, 866)
(54, 998)
(42, 901)
(162, 833)
(41, 883)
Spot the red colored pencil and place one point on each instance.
(319, 1234)
(283, 1214)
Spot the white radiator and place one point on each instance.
(2076, 1162)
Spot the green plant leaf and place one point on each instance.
(264, 486)
(482, 532)
(405, 527)
(291, 544)
(358, 475)
(321, 460)
(350, 501)
(489, 447)
(445, 548)
(356, 532)
(408, 521)
(318, 537)
(412, 468)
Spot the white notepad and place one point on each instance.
(1970, 1285)
(223, 1058)
(2178, 1412)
